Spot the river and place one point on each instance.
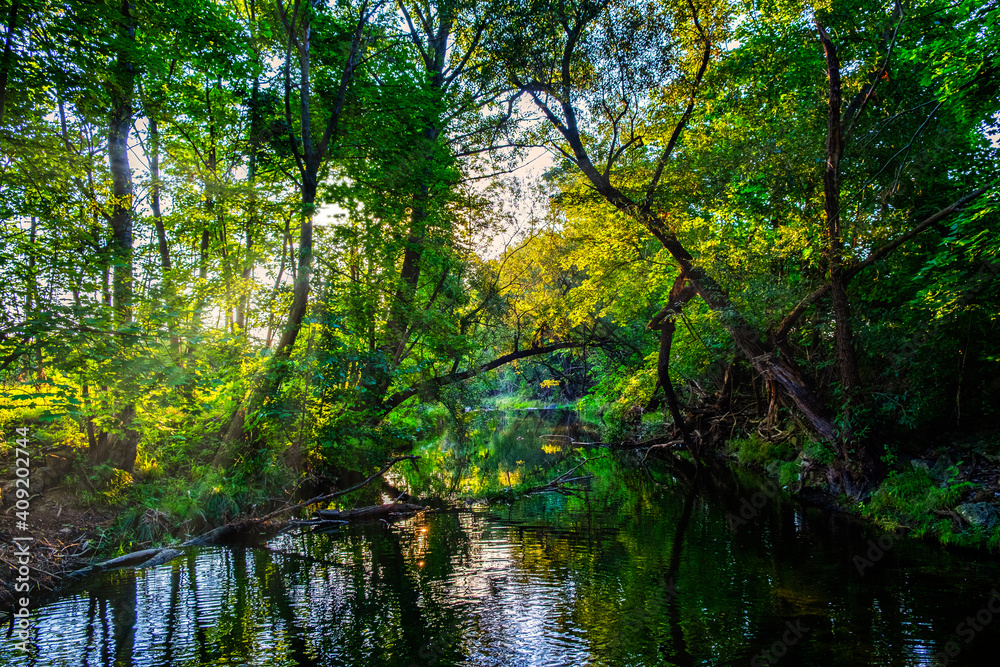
(639, 566)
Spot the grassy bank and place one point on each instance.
(945, 492)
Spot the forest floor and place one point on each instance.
(64, 534)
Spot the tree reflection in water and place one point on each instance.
(638, 567)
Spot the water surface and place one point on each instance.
(639, 567)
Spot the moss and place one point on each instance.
(789, 473)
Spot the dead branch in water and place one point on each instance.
(565, 478)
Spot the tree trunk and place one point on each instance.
(120, 451)
(154, 193)
(121, 89)
(432, 44)
(300, 288)
(117, 449)
(246, 275)
(309, 157)
(759, 349)
(847, 361)
(664, 321)
(5, 64)
(169, 295)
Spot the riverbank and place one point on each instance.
(946, 491)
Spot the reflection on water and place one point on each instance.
(637, 569)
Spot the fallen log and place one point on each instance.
(153, 557)
(138, 559)
(388, 511)
(162, 558)
(212, 536)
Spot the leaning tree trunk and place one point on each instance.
(756, 345)
(664, 321)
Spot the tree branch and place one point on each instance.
(849, 272)
(399, 397)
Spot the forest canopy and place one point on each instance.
(260, 237)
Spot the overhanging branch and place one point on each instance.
(399, 397)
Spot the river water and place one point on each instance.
(640, 566)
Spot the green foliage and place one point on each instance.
(757, 451)
(431, 263)
(819, 451)
(789, 473)
(911, 497)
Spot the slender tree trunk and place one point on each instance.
(122, 88)
(169, 294)
(850, 379)
(5, 63)
(433, 45)
(277, 283)
(91, 433)
(303, 274)
(154, 193)
(309, 156)
(397, 328)
(203, 258)
(248, 264)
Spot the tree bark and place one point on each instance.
(850, 379)
(432, 44)
(664, 321)
(121, 89)
(5, 63)
(312, 154)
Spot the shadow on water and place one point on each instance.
(641, 565)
